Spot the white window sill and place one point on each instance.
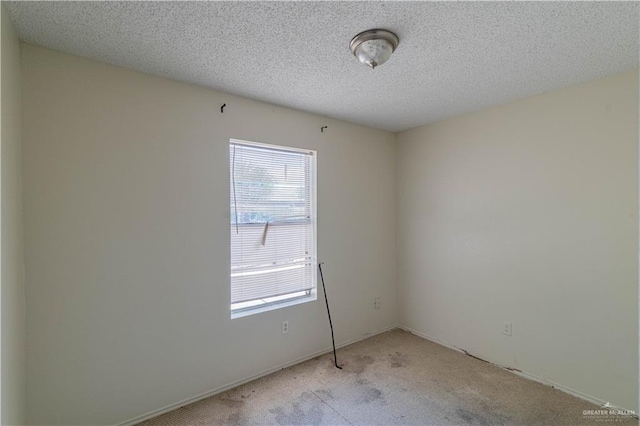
(266, 305)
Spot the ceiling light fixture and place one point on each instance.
(374, 47)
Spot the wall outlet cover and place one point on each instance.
(506, 328)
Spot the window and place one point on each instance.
(273, 227)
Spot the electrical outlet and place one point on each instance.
(506, 328)
(285, 327)
(376, 303)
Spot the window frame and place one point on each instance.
(277, 302)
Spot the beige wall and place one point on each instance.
(127, 239)
(12, 387)
(529, 213)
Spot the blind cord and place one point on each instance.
(335, 358)
(233, 179)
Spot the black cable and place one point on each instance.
(335, 357)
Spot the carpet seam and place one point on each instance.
(329, 405)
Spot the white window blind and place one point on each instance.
(272, 225)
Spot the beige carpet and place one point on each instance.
(393, 378)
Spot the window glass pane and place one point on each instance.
(272, 225)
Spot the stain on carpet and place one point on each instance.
(398, 360)
(357, 363)
(235, 419)
(470, 418)
(365, 393)
(296, 415)
(249, 394)
(369, 395)
(484, 414)
(324, 393)
(231, 403)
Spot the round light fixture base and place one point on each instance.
(374, 47)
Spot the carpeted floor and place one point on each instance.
(392, 378)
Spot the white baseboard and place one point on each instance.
(529, 376)
(221, 389)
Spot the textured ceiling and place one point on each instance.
(453, 57)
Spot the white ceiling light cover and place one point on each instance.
(374, 47)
